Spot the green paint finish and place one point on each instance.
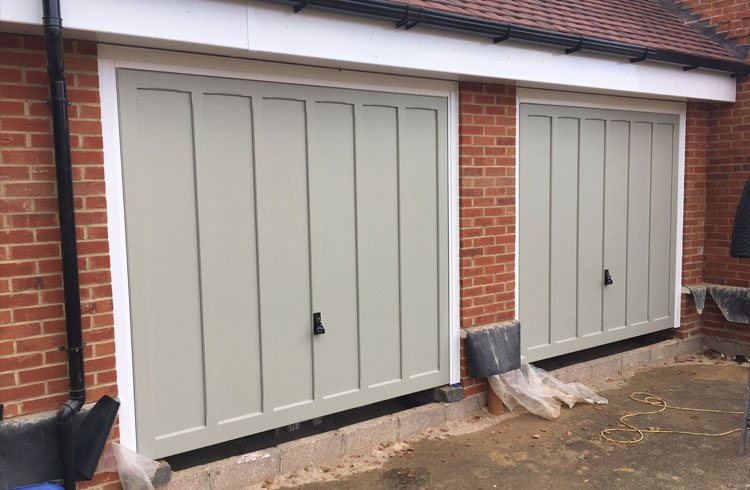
(251, 205)
(597, 191)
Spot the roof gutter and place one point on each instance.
(409, 16)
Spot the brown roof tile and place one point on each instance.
(639, 22)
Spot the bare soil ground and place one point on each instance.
(526, 452)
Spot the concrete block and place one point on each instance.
(579, 373)
(606, 367)
(636, 359)
(319, 450)
(663, 351)
(690, 345)
(162, 475)
(448, 393)
(242, 471)
(415, 420)
(189, 479)
(467, 407)
(362, 438)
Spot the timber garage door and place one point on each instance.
(598, 201)
(251, 208)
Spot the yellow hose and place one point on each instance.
(660, 402)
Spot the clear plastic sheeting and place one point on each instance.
(136, 471)
(539, 392)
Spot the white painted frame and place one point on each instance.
(575, 99)
(112, 57)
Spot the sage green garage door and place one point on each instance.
(252, 206)
(598, 192)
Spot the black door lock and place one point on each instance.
(318, 328)
(607, 278)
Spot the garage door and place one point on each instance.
(598, 201)
(254, 209)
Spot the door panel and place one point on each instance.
(163, 261)
(226, 213)
(283, 252)
(378, 246)
(334, 260)
(249, 207)
(597, 191)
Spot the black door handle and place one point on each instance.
(318, 328)
(607, 278)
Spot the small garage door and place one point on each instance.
(252, 207)
(598, 192)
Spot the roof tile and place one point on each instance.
(640, 22)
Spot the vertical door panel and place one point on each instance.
(419, 254)
(591, 227)
(378, 239)
(639, 217)
(229, 278)
(333, 248)
(286, 323)
(616, 222)
(564, 230)
(534, 266)
(163, 260)
(660, 298)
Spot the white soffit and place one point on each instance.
(262, 30)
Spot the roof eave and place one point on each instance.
(408, 16)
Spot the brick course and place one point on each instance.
(33, 372)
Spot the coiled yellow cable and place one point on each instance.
(660, 402)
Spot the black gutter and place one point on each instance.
(58, 101)
(408, 16)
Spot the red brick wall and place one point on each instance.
(487, 167)
(33, 372)
(728, 170)
(694, 220)
(730, 17)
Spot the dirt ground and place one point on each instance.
(528, 452)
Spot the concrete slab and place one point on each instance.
(411, 422)
(190, 479)
(319, 450)
(362, 438)
(465, 408)
(241, 471)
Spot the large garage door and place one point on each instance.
(598, 200)
(254, 208)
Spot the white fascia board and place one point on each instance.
(276, 31)
(263, 30)
(220, 24)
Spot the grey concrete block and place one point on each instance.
(190, 479)
(579, 373)
(448, 393)
(467, 407)
(162, 475)
(690, 345)
(415, 420)
(362, 438)
(636, 359)
(663, 351)
(606, 367)
(726, 346)
(247, 469)
(319, 450)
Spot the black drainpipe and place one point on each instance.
(58, 102)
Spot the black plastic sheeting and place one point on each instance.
(734, 302)
(493, 350)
